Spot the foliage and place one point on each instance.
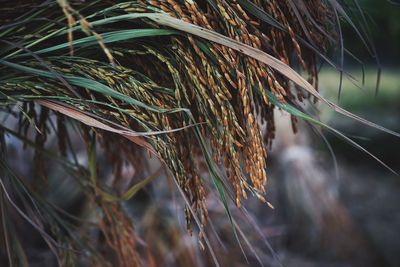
(192, 82)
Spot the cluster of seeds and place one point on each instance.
(175, 81)
(225, 85)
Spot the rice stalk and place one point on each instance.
(195, 83)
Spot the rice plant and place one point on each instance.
(192, 83)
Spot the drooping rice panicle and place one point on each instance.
(130, 69)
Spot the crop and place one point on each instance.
(193, 83)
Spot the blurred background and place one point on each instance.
(333, 205)
(349, 216)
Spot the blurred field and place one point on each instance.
(368, 191)
(357, 97)
(383, 109)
